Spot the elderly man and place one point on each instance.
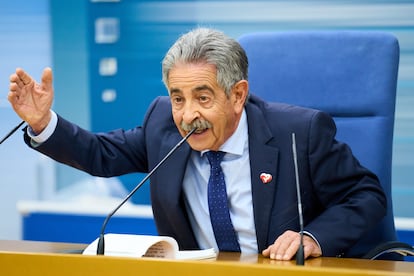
(242, 148)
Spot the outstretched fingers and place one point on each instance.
(32, 100)
(19, 81)
(23, 76)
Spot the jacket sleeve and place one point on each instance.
(351, 195)
(101, 154)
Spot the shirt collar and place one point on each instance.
(238, 140)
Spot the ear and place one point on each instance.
(239, 94)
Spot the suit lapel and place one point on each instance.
(169, 191)
(172, 172)
(263, 159)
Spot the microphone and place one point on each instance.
(100, 250)
(300, 254)
(11, 132)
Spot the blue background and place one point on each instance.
(60, 34)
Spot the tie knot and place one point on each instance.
(215, 157)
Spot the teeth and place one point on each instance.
(200, 125)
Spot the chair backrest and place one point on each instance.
(352, 75)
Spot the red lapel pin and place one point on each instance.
(266, 178)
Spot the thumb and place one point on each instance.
(266, 252)
(47, 78)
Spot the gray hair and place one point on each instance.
(213, 47)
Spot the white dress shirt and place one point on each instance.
(236, 169)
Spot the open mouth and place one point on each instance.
(200, 125)
(200, 130)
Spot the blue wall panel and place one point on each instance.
(148, 28)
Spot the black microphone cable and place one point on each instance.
(300, 254)
(11, 132)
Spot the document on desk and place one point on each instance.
(139, 246)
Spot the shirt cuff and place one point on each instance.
(42, 137)
(313, 237)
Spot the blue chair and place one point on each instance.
(352, 75)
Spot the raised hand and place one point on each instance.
(31, 100)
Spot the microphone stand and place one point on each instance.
(11, 132)
(300, 254)
(101, 242)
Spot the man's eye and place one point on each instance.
(177, 100)
(204, 99)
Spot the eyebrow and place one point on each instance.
(175, 90)
(203, 87)
(196, 89)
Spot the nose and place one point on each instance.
(190, 113)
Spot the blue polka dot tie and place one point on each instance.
(218, 205)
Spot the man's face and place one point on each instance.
(196, 96)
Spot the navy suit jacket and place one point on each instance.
(341, 199)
